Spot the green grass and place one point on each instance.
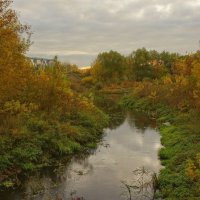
(44, 139)
(181, 142)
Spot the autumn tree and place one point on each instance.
(14, 42)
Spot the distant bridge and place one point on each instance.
(41, 62)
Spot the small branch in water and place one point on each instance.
(144, 185)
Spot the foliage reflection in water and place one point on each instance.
(125, 147)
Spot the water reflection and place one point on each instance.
(109, 104)
(140, 121)
(132, 144)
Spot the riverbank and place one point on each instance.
(130, 142)
(179, 179)
(44, 138)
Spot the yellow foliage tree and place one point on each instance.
(14, 73)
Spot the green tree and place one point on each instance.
(139, 64)
(109, 67)
(169, 59)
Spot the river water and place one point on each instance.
(131, 143)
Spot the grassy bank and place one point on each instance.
(180, 177)
(41, 139)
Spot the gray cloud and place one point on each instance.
(77, 30)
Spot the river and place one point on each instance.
(103, 174)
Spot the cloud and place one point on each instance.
(73, 28)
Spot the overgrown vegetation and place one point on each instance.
(167, 87)
(41, 116)
(181, 140)
(44, 113)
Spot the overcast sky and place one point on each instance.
(77, 30)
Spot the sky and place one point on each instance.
(78, 30)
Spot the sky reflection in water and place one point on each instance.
(133, 144)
